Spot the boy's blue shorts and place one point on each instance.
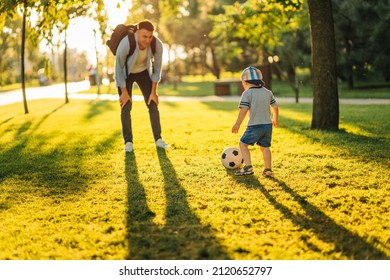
(260, 134)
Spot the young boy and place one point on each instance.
(258, 101)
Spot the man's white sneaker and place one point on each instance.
(128, 147)
(161, 144)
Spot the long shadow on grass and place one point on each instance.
(46, 173)
(345, 242)
(367, 148)
(7, 120)
(182, 237)
(14, 155)
(98, 107)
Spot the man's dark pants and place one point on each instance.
(145, 84)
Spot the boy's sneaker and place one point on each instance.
(161, 144)
(128, 147)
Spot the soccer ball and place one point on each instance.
(231, 158)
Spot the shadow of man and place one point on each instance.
(345, 242)
(182, 237)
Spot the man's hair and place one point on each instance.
(146, 24)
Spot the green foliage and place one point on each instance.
(359, 27)
(254, 21)
(54, 15)
(248, 33)
(69, 192)
(2, 20)
(291, 5)
(148, 9)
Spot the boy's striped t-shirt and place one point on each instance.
(258, 100)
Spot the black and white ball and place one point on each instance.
(231, 158)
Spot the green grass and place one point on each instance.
(69, 192)
(18, 86)
(185, 88)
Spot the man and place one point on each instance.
(144, 68)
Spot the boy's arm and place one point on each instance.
(275, 116)
(240, 118)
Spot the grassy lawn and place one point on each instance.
(18, 86)
(68, 191)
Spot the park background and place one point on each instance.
(69, 192)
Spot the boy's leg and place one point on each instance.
(267, 157)
(246, 155)
(265, 145)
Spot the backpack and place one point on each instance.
(123, 30)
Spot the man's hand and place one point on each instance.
(124, 98)
(153, 97)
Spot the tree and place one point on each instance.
(53, 13)
(359, 26)
(182, 24)
(324, 78)
(9, 50)
(193, 34)
(22, 56)
(294, 50)
(381, 33)
(9, 8)
(56, 14)
(147, 9)
(253, 32)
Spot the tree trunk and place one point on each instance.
(325, 93)
(350, 78)
(216, 68)
(292, 79)
(293, 83)
(22, 57)
(66, 69)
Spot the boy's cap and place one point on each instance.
(252, 75)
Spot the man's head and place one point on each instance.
(146, 24)
(144, 33)
(252, 76)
